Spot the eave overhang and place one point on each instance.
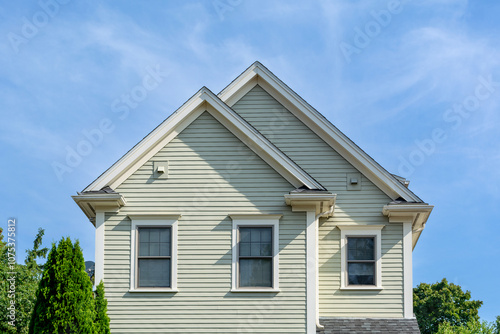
(323, 203)
(415, 213)
(91, 203)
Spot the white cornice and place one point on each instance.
(416, 214)
(319, 124)
(203, 100)
(323, 204)
(92, 203)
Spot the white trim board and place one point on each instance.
(407, 270)
(259, 74)
(203, 100)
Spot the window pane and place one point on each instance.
(245, 248)
(266, 249)
(165, 235)
(245, 235)
(154, 234)
(255, 234)
(154, 241)
(165, 249)
(143, 249)
(255, 249)
(266, 234)
(256, 241)
(255, 272)
(154, 273)
(154, 249)
(360, 249)
(143, 235)
(361, 273)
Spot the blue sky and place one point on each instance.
(415, 84)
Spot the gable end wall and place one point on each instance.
(330, 169)
(211, 174)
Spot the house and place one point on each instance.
(249, 212)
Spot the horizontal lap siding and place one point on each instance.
(323, 163)
(211, 174)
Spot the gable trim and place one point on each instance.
(259, 74)
(203, 100)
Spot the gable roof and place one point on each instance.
(259, 74)
(203, 100)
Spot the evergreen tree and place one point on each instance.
(64, 302)
(101, 323)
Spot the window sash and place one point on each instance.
(256, 257)
(149, 257)
(367, 261)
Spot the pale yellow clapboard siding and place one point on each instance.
(205, 189)
(317, 158)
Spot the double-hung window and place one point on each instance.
(361, 258)
(255, 253)
(255, 256)
(153, 255)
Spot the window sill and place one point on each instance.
(362, 287)
(256, 290)
(153, 290)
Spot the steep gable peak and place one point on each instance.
(258, 74)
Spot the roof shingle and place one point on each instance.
(368, 325)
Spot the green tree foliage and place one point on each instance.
(25, 278)
(435, 304)
(64, 301)
(101, 308)
(474, 327)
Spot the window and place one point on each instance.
(154, 257)
(255, 253)
(361, 260)
(255, 257)
(153, 253)
(360, 247)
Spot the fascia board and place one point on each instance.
(316, 122)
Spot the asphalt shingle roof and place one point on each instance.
(368, 325)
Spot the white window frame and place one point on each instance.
(153, 220)
(255, 220)
(347, 231)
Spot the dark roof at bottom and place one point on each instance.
(368, 325)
